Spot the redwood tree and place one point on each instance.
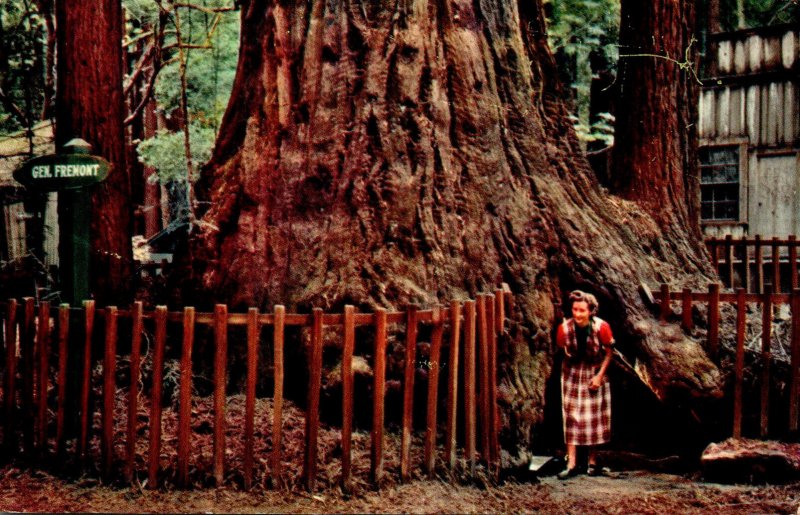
(655, 147)
(89, 105)
(380, 153)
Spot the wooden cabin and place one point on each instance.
(749, 126)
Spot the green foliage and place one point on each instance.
(165, 152)
(23, 39)
(759, 13)
(211, 45)
(578, 29)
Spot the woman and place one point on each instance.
(585, 392)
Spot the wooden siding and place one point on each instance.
(756, 93)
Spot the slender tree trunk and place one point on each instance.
(381, 154)
(90, 105)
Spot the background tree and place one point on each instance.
(89, 105)
(379, 155)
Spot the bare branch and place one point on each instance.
(137, 72)
(208, 10)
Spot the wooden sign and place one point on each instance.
(55, 172)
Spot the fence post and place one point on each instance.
(408, 392)
(433, 390)
(452, 384)
(469, 383)
(63, 349)
(794, 391)
(745, 264)
(483, 376)
(666, 309)
(686, 309)
(43, 344)
(776, 266)
(713, 320)
(759, 265)
(741, 325)
(793, 261)
(109, 391)
(766, 357)
(220, 380)
(277, 406)
(83, 441)
(185, 405)
(137, 321)
(28, 351)
(312, 405)
(10, 395)
(250, 395)
(347, 396)
(379, 386)
(491, 392)
(155, 396)
(729, 259)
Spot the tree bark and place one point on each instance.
(379, 154)
(90, 105)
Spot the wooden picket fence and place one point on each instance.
(713, 297)
(32, 347)
(741, 262)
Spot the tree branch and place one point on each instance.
(13, 108)
(208, 10)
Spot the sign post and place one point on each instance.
(71, 173)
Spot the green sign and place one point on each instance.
(55, 172)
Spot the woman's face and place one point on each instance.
(580, 312)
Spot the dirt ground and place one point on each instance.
(626, 492)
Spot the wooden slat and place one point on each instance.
(408, 392)
(776, 267)
(137, 326)
(452, 384)
(28, 351)
(185, 403)
(155, 396)
(766, 358)
(745, 265)
(312, 404)
(794, 391)
(109, 392)
(713, 320)
(250, 394)
(729, 260)
(86, 371)
(220, 381)
(665, 310)
(63, 350)
(741, 326)
(433, 390)
(10, 394)
(379, 388)
(347, 396)
(494, 450)
(277, 416)
(686, 310)
(43, 346)
(484, 410)
(759, 271)
(793, 262)
(469, 383)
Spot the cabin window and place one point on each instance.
(719, 183)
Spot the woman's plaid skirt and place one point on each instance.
(587, 413)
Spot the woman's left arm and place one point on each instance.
(607, 340)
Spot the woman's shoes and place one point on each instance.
(568, 473)
(594, 470)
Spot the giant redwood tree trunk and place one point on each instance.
(379, 153)
(90, 105)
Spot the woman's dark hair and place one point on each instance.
(588, 298)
